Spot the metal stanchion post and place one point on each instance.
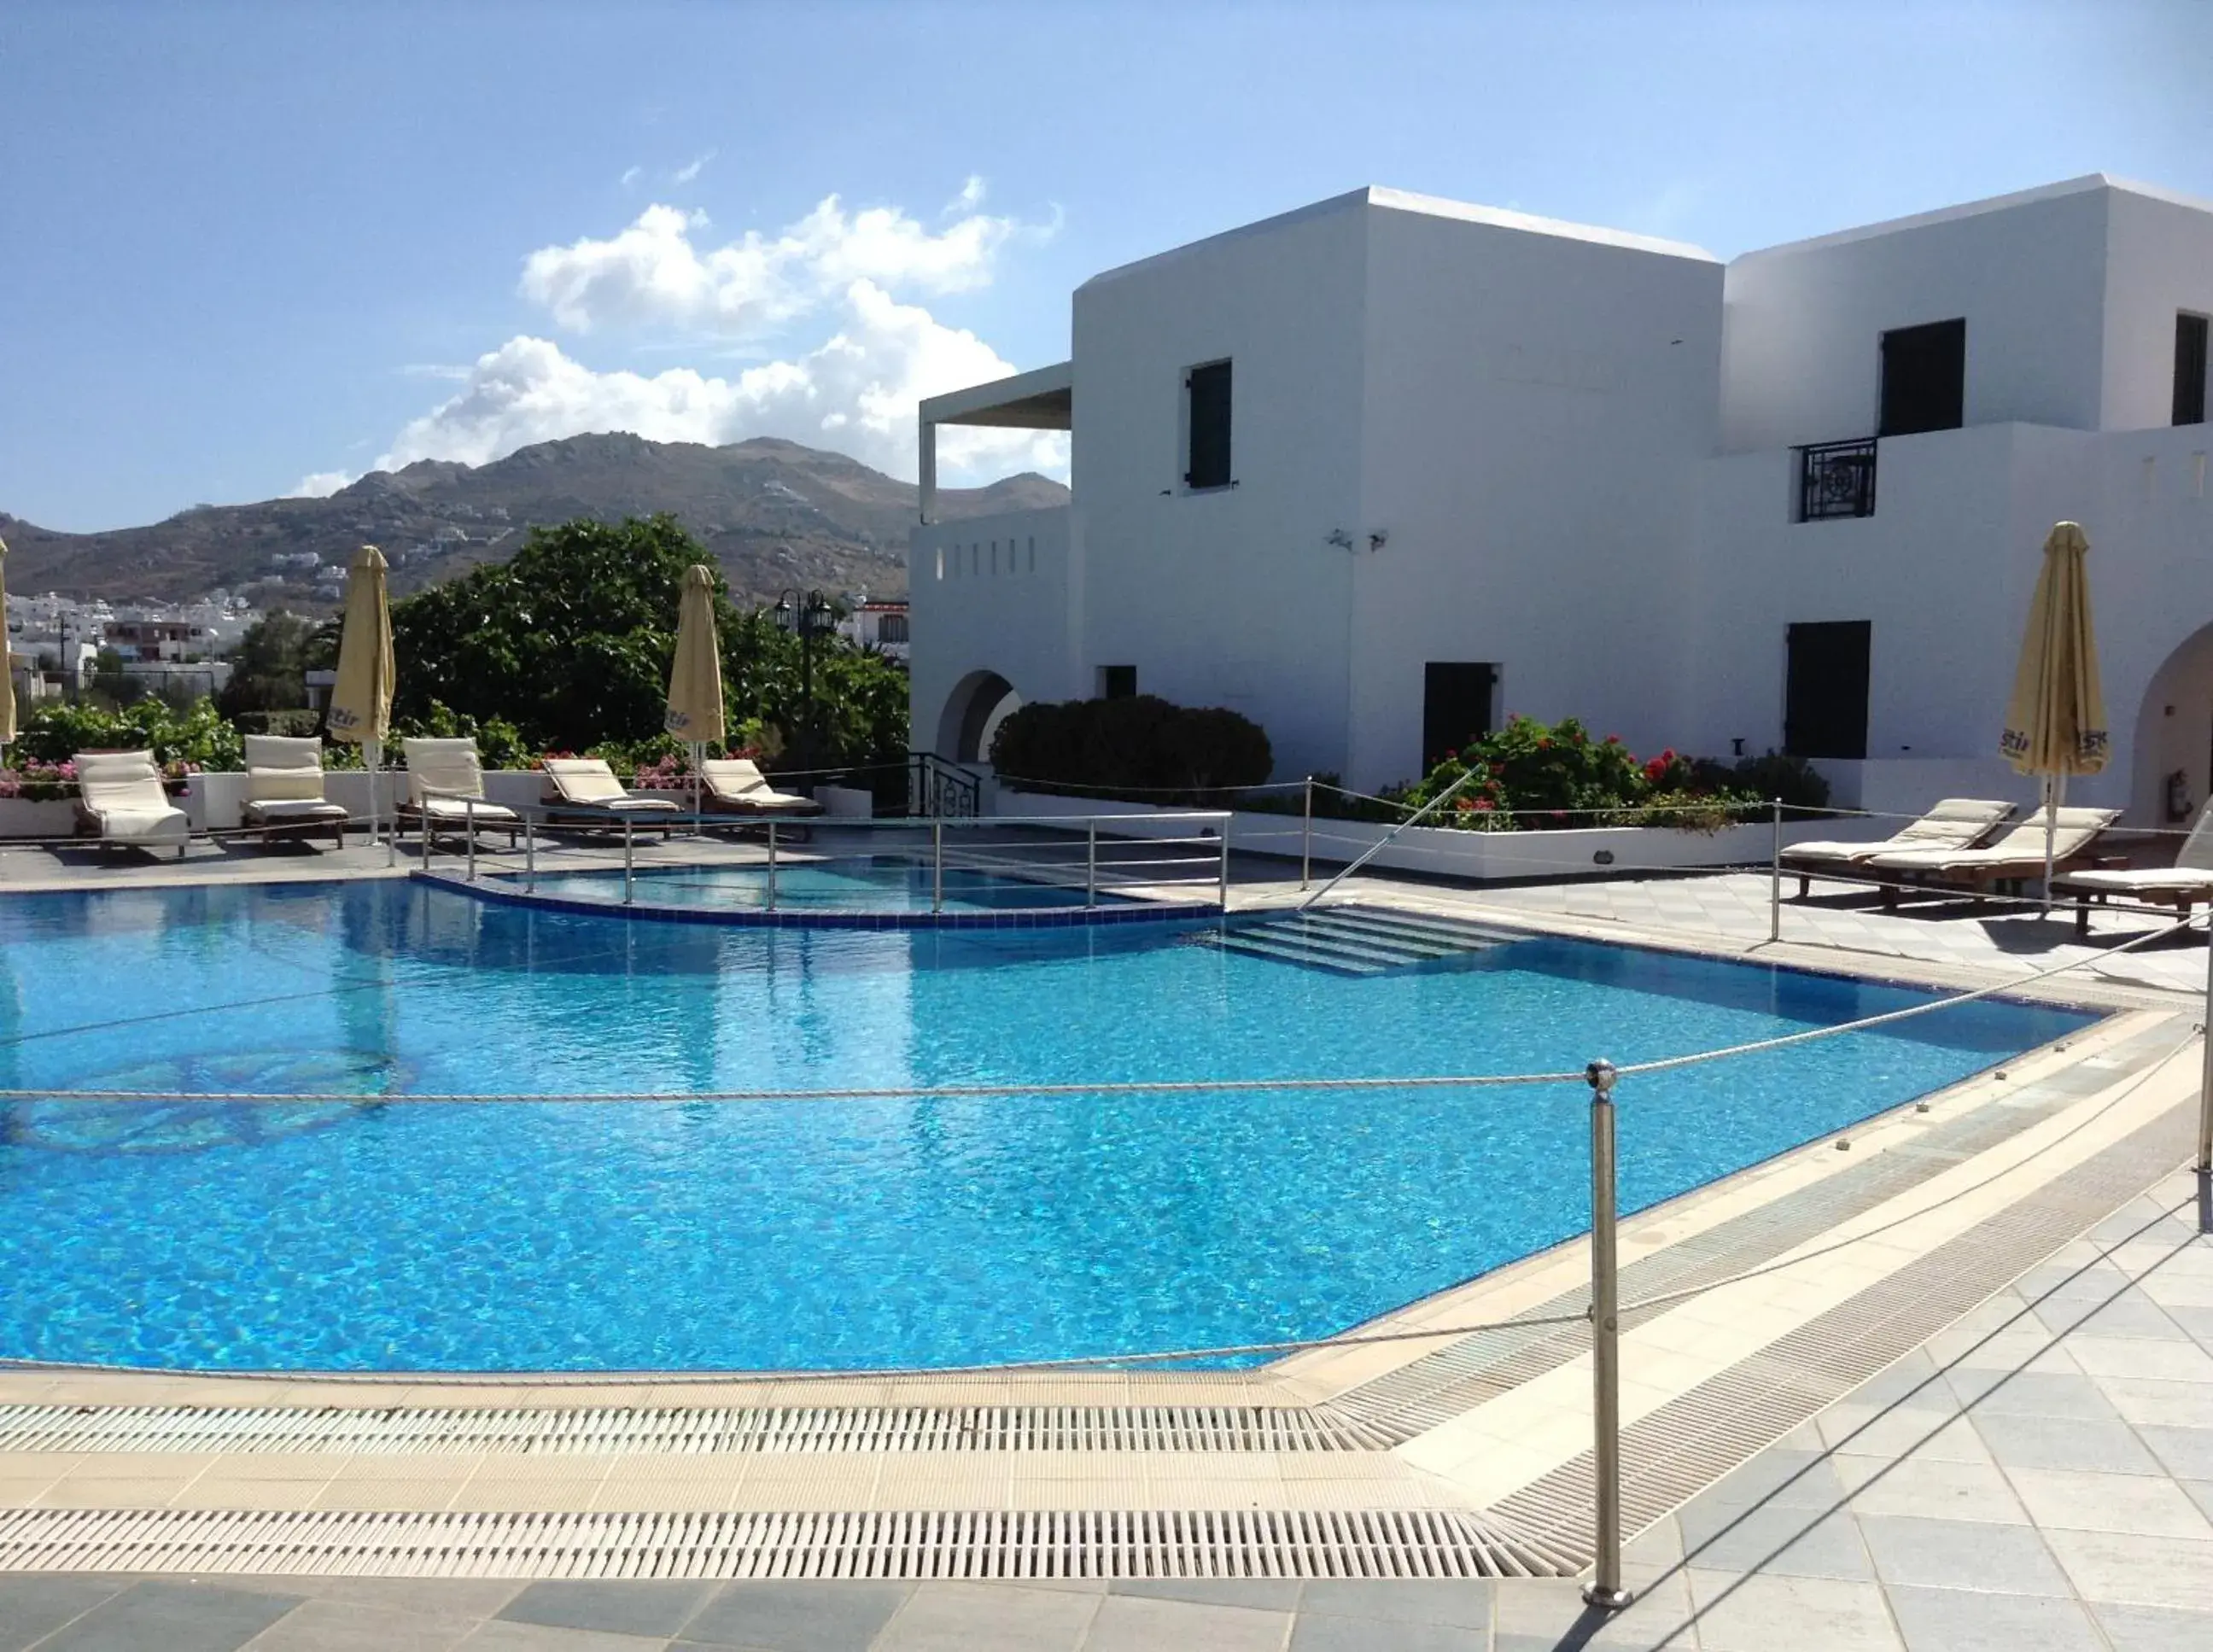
(771, 866)
(2205, 1077)
(1306, 839)
(469, 825)
(1605, 1590)
(423, 825)
(630, 863)
(937, 866)
(1775, 879)
(530, 855)
(1091, 865)
(1222, 883)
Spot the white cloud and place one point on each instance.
(969, 197)
(321, 485)
(694, 167)
(631, 175)
(856, 393)
(655, 272)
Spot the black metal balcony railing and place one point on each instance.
(1836, 478)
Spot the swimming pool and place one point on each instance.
(867, 883)
(826, 1233)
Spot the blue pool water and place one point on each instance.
(842, 1234)
(867, 883)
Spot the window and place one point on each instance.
(1455, 707)
(1118, 682)
(1206, 421)
(891, 628)
(2190, 369)
(1824, 697)
(1924, 378)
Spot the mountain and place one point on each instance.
(773, 512)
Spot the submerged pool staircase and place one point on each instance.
(1359, 939)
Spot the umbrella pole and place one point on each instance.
(2054, 785)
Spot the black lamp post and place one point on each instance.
(811, 617)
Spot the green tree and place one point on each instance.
(269, 667)
(570, 643)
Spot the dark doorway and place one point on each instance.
(1924, 378)
(1825, 707)
(1118, 682)
(1455, 707)
(1208, 388)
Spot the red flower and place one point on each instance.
(1657, 769)
(1485, 804)
(1544, 744)
(1452, 757)
(1613, 740)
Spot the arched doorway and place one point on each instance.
(2171, 771)
(978, 703)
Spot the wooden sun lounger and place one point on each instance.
(2180, 885)
(2015, 858)
(284, 789)
(585, 792)
(1954, 823)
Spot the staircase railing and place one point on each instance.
(939, 790)
(1384, 842)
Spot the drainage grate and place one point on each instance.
(991, 1543)
(539, 1431)
(1438, 1387)
(1675, 1452)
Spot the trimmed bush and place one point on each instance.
(1140, 744)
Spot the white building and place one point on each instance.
(1379, 471)
(878, 625)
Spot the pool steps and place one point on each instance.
(1357, 940)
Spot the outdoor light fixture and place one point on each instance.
(809, 617)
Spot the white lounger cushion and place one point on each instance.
(1954, 823)
(2147, 879)
(293, 809)
(589, 783)
(2192, 868)
(122, 791)
(467, 808)
(281, 768)
(739, 780)
(2074, 829)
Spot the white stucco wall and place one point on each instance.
(1232, 597)
(2161, 261)
(989, 594)
(1802, 362)
(1538, 408)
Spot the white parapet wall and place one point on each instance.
(1479, 856)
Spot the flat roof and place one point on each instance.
(2088, 184)
(1435, 206)
(1043, 398)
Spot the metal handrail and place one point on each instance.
(1384, 842)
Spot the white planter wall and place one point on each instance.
(1475, 856)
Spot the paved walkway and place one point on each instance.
(2038, 1478)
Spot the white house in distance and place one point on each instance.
(1379, 470)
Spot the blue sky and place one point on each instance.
(250, 245)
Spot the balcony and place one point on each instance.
(1836, 478)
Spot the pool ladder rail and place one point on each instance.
(1357, 940)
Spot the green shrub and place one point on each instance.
(196, 738)
(1140, 744)
(298, 723)
(1532, 776)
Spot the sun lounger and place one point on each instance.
(2181, 885)
(585, 789)
(1954, 823)
(121, 801)
(2018, 856)
(736, 785)
(284, 788)
(445, 790)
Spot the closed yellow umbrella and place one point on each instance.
(2055, 724)
(7, 698)
(361, 699)
(695, 682)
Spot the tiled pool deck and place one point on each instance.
(2028, 1469)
